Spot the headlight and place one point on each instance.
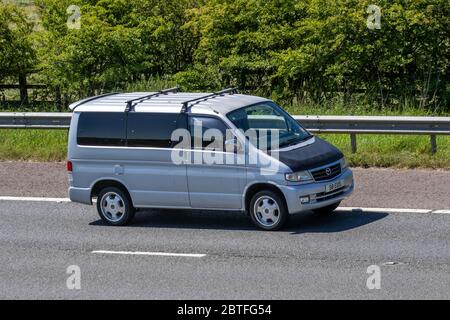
(344, 164)
(300, 176)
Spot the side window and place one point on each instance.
(199, 125)
(101, 129)
(151, 130)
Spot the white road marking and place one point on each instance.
(442, 211)
(161, 254)
(34, 199)
(387, 210)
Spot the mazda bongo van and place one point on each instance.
(219, 151)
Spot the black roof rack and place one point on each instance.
(95, 98)
(230, 91)
(130, 104)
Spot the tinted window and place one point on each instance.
(153, 130)
(206, 123)
(101, 129)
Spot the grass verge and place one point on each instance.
(394, 151)
(373, 150)
(33, 145)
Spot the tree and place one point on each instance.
(17, 55)
(98, 56)
(318, 49)
(119, 42)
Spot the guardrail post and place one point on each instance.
(433, 144)
(353, 142)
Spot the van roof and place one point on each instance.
(171, 102)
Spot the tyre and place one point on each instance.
(328, 209)
(115, 207)
(268, 211)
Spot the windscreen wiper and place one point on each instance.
(292, 142)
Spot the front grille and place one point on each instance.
(327, 173)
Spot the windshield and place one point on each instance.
(266, 118)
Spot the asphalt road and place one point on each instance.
(315, 257)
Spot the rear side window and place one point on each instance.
(152, 130)
(101, 129)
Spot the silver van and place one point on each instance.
(133, 151)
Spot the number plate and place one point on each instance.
(334, 186)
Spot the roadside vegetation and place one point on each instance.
(310, 52)
(311, 56)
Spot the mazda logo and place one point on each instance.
(328, 171)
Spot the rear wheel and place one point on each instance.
(328, 209)
(268, 211)
(115, 207)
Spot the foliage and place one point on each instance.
(315, 48)
(119, 42)
(309, 52)
(17, 55)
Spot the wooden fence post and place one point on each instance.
(23, 88)
(58, 99)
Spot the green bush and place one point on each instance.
(312, 49)
(119, 42)
(309, 52)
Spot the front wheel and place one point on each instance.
(268, 211)
(115, 207)
(328, 209)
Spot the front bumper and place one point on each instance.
(318, 198)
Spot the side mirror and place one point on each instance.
(233, 144)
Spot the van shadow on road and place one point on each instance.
(298, 224)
